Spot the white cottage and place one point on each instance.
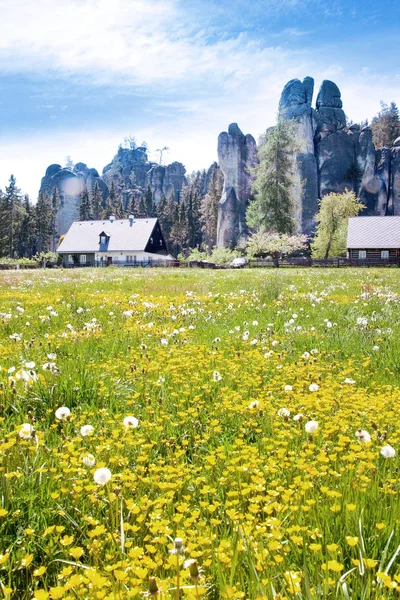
(121, 242)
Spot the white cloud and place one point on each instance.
(202, 78)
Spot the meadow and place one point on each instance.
(200, 434)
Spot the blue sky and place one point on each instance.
(78, 76)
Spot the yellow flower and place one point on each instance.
(26, 561)
(76, 552)
(57, 592)
(352, 541)
(4, 558)
(67, 540)
(370, 563)
(40, 595)
(380, 525)
(332, 547)
(351, 507)
(315, 547)
(3, 512)
(332, 565)
(39, 572)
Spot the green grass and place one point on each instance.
(204, 360)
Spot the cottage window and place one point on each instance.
(103, 239)
(385, 254)
(82, 259)
(129, 258)
(362, 254)
(70, 259)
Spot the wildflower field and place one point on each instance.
(201, 434)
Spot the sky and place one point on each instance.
(77, 77)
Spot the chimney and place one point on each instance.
(112, 218)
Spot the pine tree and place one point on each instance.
(55, 205)
(180, 229)
(44, 222)
(149, 203)
(209, 209)
(26, 242)
(85, 206)
(162, 215)
(272, 207)
(386, 125)
(97, 203)
(11, 215)
(140, 211)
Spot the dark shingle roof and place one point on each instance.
(124, 235)
(374, 232)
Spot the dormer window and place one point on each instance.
(103, 238)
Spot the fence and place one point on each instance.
(300, 261)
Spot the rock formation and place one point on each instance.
(70, 185)
(236, 154)
(164, 180)
(295, 103)
(130, 171)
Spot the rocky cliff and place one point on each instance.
(70, 185)
(236, 155)
(130, 171)
(328, 156)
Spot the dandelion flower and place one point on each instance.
(298, 417)
(26, 431)
(102, 476)
(254, 404)
(87, 430)
(283, 412)
(288, 388)
(178, 547)
(311, 426)
(388, 451)
(314, 387)
(89, 460)
(131, 422)
(217, 376)
(62, 413)
(363, 435)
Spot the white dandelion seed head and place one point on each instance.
(388, 451)
(102, 476)
(62, 413)
(131, 422)
(311, 426)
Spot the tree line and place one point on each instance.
(188, 220)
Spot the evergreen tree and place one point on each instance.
(26, 243)
(386, 125)
(272, 207)
(97, 203)
(209, 209)
(140, 208)
(149, 203)
(113, 205)
(162, 215)
(11, 215)
(85, 206)
(44, 222)
(180, 229)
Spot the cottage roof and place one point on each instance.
(125, 235)
(381, 233)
